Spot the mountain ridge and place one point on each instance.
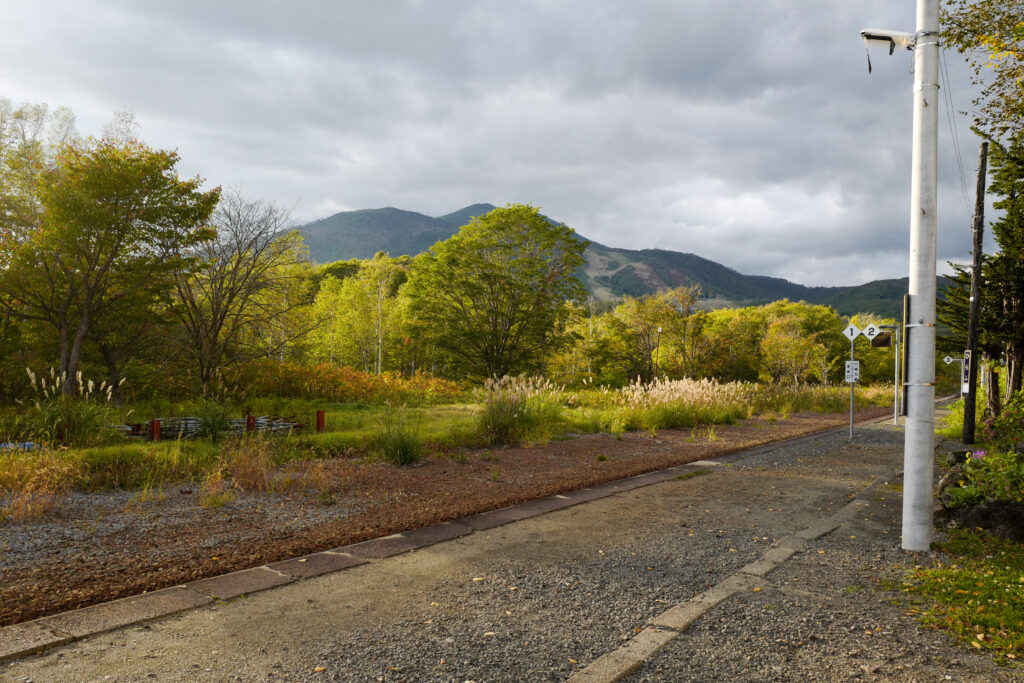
(608, 272)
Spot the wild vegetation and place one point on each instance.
(129, 294)
(976, 590)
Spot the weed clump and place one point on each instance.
(53, 418)
(248, 460)
(399, 440)
(213, 419)
(518, 409)
(31, 483)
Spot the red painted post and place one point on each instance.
(250, 423)
(320, 421)
(154, 429)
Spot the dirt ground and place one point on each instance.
(101, 546)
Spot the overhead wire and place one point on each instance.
(947, 89)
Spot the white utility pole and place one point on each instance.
(919, 393)
(919, 437)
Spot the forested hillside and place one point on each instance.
(607, 273)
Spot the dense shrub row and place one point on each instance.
(328, 382)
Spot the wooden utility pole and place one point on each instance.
(970, 399)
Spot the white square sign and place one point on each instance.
(851, 332)
(871, 331)
(852, 371)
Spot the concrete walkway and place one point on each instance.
(636, 580)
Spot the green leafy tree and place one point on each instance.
(491, 297)
(638, 324)
(991, 35)
(359, 319)
(595, 353)
(328, 338)
(113, 219)
(687, 348)
(735, 335)
(659, 335)
(1001, 304)
(788, 353)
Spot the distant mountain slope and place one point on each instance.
(361, 234)
(608, 272)
(463, 216)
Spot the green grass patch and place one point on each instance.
(689, 475)
(977, 592)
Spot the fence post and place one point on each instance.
(154, 429)
(320, 421)
(250, 423)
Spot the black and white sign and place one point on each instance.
(871, 331)
(851, 332)
(965, 379)
(852, 371)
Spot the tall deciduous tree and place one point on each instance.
(637, 325)
(241, 289)
(358, 318)
(788, 353)
(30, 137)
(492, 297)
(114, 218)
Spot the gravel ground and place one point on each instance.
(540, 599)
(105, 545)
(85, 522)
(831, 612)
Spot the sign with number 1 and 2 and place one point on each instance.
(853, 365)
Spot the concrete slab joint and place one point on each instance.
(26, 638)
(620, 663)
(111, 615)
(680, 617)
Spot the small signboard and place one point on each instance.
(965, 379)
(883, 340)
(852, 371)
(851, 332)
(947, 360)
(871, 331)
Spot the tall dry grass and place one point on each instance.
(666, 403)
(519, 409)
(31, 483)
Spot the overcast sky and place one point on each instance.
(744, 131)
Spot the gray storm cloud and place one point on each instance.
(747, 132)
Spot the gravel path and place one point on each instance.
(541, 599)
